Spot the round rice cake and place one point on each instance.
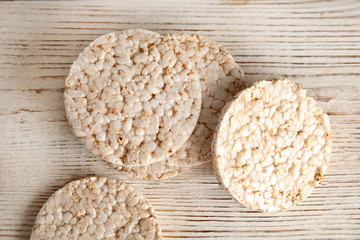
(132, 97)
(272, 146)
(221, 78)
(96, 208)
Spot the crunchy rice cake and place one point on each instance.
(272, 146)
(96, 208)
(221, 78)
(133, 97)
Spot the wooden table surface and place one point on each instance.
(316, 43)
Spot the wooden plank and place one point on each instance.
(316, 43)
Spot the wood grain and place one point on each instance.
(316, 43)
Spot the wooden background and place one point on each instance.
(316, 43)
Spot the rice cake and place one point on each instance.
(132, 97)
(221, 78)
(272, 146)
(96, 208)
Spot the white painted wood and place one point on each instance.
(316, 43)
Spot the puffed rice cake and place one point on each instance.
(272, 146)
(221, 78)
(132, 97)
(96, 208)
